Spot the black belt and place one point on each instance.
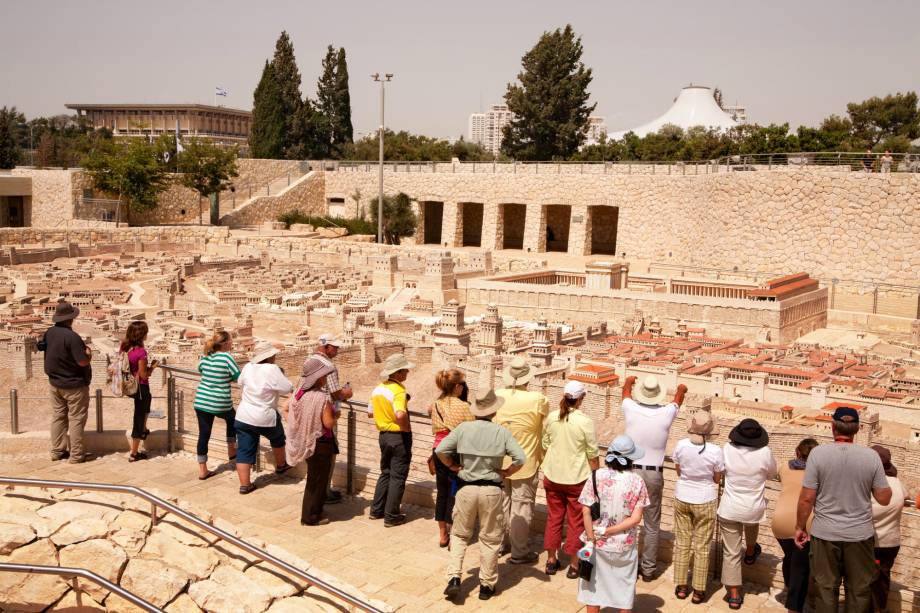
(655, 468)
(487, 482)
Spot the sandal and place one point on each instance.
(750, 559)
(444, 543)
(682, 591)
(245, 489)
(134, 457)
(552, 567)
(698, 597)
(207, 475)
(283, 469)
(571, 573)
(735, 603)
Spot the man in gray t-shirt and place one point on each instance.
(840, 481)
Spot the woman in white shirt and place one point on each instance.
(699, 466)
(262, 383)
(887, 520)
(748, 465)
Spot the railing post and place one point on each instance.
(98, 410)
(170, 411)
(180, 413)
(14, 411)
(833, 292)
(350, 453)
(875, 300)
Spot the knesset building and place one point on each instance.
(576, 229)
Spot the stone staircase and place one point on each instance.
(246, 194)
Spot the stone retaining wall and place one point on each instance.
(307, 195)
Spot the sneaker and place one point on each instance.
(647, 577)
(486, 592)
(530, 558)
(396, 521)
(453, 588)
(87, 457)
(62, 456)
(334, 497)
(372, 516)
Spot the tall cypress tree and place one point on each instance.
(551, 103)
(326, 103)
(284, 65)
(10, 152)
(269, 121)
(344, 132)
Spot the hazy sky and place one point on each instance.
(795, 61)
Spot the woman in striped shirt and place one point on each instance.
(212, 398)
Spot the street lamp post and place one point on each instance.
(382, 80)
(31, 147)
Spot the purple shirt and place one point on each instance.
(134, 357)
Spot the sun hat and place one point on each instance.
(650, 392)
(749, 433)
(486, 404)
(846, 415)
(623, 448)
(262, 351)
(64, 312)
(329, 339)
(313, 371)
(702, 425)
(517, 373)
(885, 456)
(395, 363)
(574, 389)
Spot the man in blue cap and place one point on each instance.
(840, 481)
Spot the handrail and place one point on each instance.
(200, 523)
(67, 571)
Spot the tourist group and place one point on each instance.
(837, 518)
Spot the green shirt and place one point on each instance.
(482, 446)
(213, 393)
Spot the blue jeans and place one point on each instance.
(247, 439)
(206, 423)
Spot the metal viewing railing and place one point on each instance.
(156, 502)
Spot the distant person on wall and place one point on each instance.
(841, 479)
(67, 364)
(796, 565)
(311, 419)
(648, 422)
(887, 521)
(327, 347)
(482, 447)
(571, 455)
(749, 463)
(141, 369)
(522, 413)
(447, 412)
(213, 399)
(885, 162)
(262, 383)
(390, 404)
(699, 465)
(868, 160)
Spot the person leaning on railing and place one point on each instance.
(141, 368)
(212, 397)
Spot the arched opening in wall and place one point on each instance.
(558, 218)
(513, 218)
(434, 217)
(603, 227)
(471, 214)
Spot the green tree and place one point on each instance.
(207, 168)
(343, 131)
(398, 217)
(288, 77)
(10, 119)
(269, 123)
(326, 103)
(402, 146)
(876, 119)
(551, 102)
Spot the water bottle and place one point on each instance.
(586, 551)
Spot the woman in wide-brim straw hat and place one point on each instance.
(699, 467)
(310, 437)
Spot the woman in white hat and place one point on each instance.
(262, 383)
(699, 466)
(309, 437)
(622, 496)
(571, 455)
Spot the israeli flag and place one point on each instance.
(220, 91)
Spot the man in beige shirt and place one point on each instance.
(522, 413)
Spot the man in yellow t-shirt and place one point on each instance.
(390, 405)
(522, 413)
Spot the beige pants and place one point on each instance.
(69, 408)
(482, 502)
(518, 503)
(733, 548)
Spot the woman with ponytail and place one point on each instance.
(212, 398)
(449, 411)
(571, 455)
(141, 368)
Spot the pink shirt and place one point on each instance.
(134, 357)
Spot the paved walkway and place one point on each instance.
(402, 566)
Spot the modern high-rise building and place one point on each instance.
(596, 129)
(486, 128)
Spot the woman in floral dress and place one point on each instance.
(622, 496)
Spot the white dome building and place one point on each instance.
(695, 106)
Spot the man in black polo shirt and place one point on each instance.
(67, 364)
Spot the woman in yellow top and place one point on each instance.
(571, 455)
(449, 411)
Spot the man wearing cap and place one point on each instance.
(522, 413)
(841, 479)
(483, 446)
(67, 364)
(327, 347)
(648, 422)
(390, 404)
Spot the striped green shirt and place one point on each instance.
(213, 393)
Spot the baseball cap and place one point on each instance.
(574, 389)
(846, 415)
(329, 339)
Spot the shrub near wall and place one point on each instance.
(354, 226)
